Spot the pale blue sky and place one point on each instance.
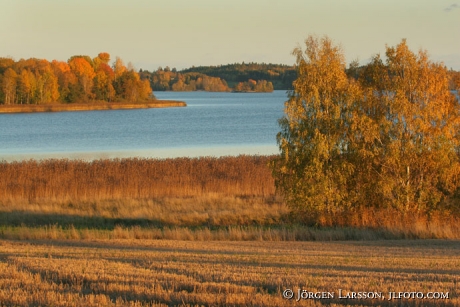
(182, 33)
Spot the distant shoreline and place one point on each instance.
(34, 108)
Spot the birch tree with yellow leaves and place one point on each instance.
(416, 164)
(387, 138)
(315, 165)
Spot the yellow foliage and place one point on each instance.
(387, 139)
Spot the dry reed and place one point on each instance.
(64, 180)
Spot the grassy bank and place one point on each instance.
(202, 218)
(31, 108)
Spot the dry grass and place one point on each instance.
(184, 273)
(196, 218)
(232, 233)
(212, 211)
(32, 108)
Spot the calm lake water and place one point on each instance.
(213, 124)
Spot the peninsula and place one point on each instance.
(80, 84)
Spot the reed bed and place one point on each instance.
(76, 180)
(184, 273)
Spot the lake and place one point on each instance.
(212, 124)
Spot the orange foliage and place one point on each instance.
(81, 67)
(38, 81)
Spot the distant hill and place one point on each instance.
(280, 75)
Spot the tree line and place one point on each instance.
(381, 137)
(281, 76)
(80, 79)
(171, 80)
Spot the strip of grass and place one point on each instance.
(61, 107)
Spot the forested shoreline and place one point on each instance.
(83, 79)
(80, 79)
(237, 78)
(281, 76)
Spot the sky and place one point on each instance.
(185, 33)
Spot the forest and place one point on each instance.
(80, 79)
(281, 76)
(243, 77)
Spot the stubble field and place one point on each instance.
(224, 273)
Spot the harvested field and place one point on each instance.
(186, 273)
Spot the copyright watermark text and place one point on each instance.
(302, 294)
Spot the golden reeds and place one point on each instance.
(63, 180)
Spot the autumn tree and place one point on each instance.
(179, 85)
(26, 86)
(119, 67)
(314, 168)
(102, 58)
(253, 86)
(263, 86)
(105, 76)
(9, 82)
(68, 82)
(82, 67)
(5, 63)
(47, 88)
(36, 81)
(454, 80)
(415, 164)
(388, 140)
